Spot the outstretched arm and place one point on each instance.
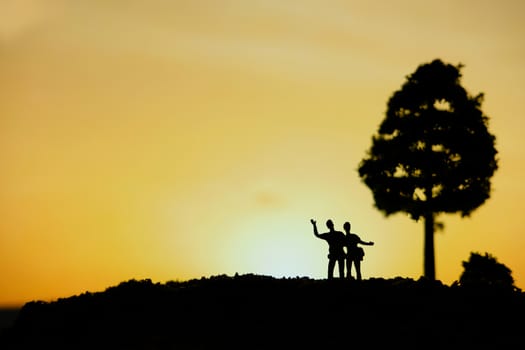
(365, 243)
(316, 233)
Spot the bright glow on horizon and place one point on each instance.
(175, 140)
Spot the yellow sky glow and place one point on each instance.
(178, 139)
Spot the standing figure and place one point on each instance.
(336, 241)
(354, 253)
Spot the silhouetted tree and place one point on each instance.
(485, 270)
(433, 152)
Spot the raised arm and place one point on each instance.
(316, 233)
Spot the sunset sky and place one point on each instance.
(173, 140)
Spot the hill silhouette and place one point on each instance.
(261, 312)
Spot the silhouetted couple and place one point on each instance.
(337, 242)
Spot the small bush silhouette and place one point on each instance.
(484, 270)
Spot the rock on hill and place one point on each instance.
(262, 312)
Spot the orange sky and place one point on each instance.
(179, 139)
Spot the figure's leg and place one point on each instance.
(358, 269)
(349, 268)
(331, 265)
(341, 264)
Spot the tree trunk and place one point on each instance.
(430, 267)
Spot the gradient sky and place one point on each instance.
(179, 139)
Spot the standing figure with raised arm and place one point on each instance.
(354, 253)
(336, 243)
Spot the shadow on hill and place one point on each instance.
(7, 316)
(261, 312)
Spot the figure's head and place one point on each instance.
(347, 226)
(330, 224)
